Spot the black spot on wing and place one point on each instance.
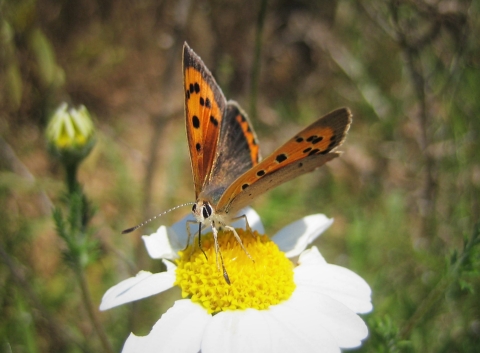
(213, 120)
(197, 87)
(261, 173)
(198, 147)
(196, 122)
(333, 141)
(299, 139)
(312, 152)
(202, 101)
(308, 149)
(317, 140)
(281, 158)
(208, 104)
(244, 186)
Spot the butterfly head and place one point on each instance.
(203, 211)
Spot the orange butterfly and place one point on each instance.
(224, 151)
(225, 155)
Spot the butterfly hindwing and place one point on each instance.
(205, 107)
(243, 143)
(237, 152)
(301, 154)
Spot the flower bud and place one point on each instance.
(70, 134)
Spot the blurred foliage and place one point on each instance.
(404, 194)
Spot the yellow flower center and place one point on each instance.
(258, 282)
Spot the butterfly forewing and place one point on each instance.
(204, 109)
(318, 139)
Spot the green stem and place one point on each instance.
(73, 188)
(424, 307)
(71, 175)
(91, 310)
(437, 293)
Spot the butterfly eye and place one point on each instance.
(206, 210)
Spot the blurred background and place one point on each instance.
(404, 194)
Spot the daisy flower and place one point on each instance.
(283, 298)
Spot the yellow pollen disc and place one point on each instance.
(258, 282)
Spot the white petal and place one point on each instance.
(304, 325)
(179, 330)
(134, 344)
(337, 282)
(321, 313)
(241, 331)
(307, 322)
(296, 236)
(311, 257)
(143, 285)
(161, 244)
(171, 267)
(277, 330)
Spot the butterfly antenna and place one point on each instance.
(129, 230)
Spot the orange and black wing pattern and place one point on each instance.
(306, 151)
(205, 107)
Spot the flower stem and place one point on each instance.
(87, 300)
(74, 191)
(71, 175)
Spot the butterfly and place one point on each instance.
(225, 156)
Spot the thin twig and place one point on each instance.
(255, 75)
(413, 60)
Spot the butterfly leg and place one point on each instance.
(200, 226)
(218, 253)
(189, 234)
(247, 225)
(231, 229)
